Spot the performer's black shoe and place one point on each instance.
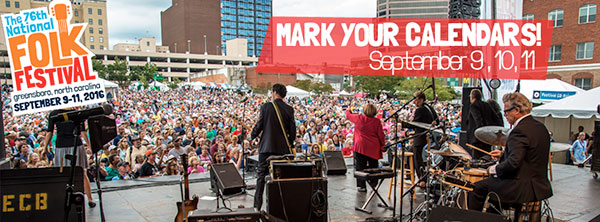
(91, 204)
(362, 189)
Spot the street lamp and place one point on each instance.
(175, 47)
(205, 45)
(189, 41)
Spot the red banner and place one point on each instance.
(498, 49)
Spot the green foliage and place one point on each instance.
(143, 73)
(374, 85)
(174, 83)
(407, 88)
(118, 72)
(99, 67)
(321, 88)
(303, 84)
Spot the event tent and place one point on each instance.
(562, 117)
(548, 90)
(109, 84)
(297, 92)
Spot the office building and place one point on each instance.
(574, 55)
(412, 9)
(92, 12)
(248, 19)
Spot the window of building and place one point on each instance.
(90, 11)
(17, 5)
(584, 83)
(381, 1)
(91, 46)
(147, 43)
(90, 21)
(556, 16)
(91, 38)
(99, 21)
(8, 4)
(528, 17)
(99, 11)
(91, 30)
(587, 13)
(585, 50)
(75, 12)
(101, 39)
(555, 51)
(101, 47)
(100, 31)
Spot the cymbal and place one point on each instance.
(448, 152)
(458, 149)
(557, 147)
(428, 126)
(493, 135)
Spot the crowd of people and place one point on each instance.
(210, 125)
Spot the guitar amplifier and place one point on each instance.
(37, 194)
(298, 199)
(240, 214)
(286, 169)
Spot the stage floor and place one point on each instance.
(576, 197)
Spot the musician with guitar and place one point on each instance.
(187, 204)
(278, 128)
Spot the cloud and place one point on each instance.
(129, 20)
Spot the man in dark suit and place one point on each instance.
(521, 175)
(272, 141)
(423, 114)
(480, 114)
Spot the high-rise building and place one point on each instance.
(574, 53)
(192, 26)
(248, 19)
(412, 9)
(211, 23)
(92, 12)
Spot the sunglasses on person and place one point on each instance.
(511, 109)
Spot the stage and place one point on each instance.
(576, 197)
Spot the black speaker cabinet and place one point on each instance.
(226, 178)
(37, 194)
(240, 214)
(596, 147)
(302, 199)
(443, 214)
(334, 163)
(286, 169)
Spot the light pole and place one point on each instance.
(189, 41)
(175, 47)
(205, 45)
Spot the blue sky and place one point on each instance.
(129, 20)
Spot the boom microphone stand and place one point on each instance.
(72, 197)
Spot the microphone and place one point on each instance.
(244, 99)
(435, 98)
(78, 115)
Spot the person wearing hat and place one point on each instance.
(149, 167)
(134, 150)
(177, 150)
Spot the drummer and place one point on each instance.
(521, 174)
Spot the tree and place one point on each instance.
(408, 87)
(99, 67)
(303, 84)
(174, 83)
(118, 72)
(320, 88)
(374, 85)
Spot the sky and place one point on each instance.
(129, 20)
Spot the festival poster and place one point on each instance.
(50, 67)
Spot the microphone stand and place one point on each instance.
(99, 188)
(72, 197)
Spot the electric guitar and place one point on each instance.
(188, 205)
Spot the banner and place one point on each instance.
(50, 68)
(490, 49)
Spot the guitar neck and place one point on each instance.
(186, 190)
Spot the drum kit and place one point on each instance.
(453, 171)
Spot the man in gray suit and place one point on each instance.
(272, 140)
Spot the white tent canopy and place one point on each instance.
(109, 84)
(549, 90)
(297, 92)
(581, 106)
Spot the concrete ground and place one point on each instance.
(576, 197)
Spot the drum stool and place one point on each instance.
(410, 171)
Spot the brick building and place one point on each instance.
(268, 79)
(574, 53)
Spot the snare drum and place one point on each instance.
(474, 174)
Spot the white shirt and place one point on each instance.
(493, 168)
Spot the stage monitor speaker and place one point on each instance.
(442, 214)
(226, 178)
(298, 197)
(334, 163)
(596, 147)
(466, 105)
(37, 194)
(240, 214)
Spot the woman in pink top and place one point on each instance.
(194, 165)
(368, 141)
